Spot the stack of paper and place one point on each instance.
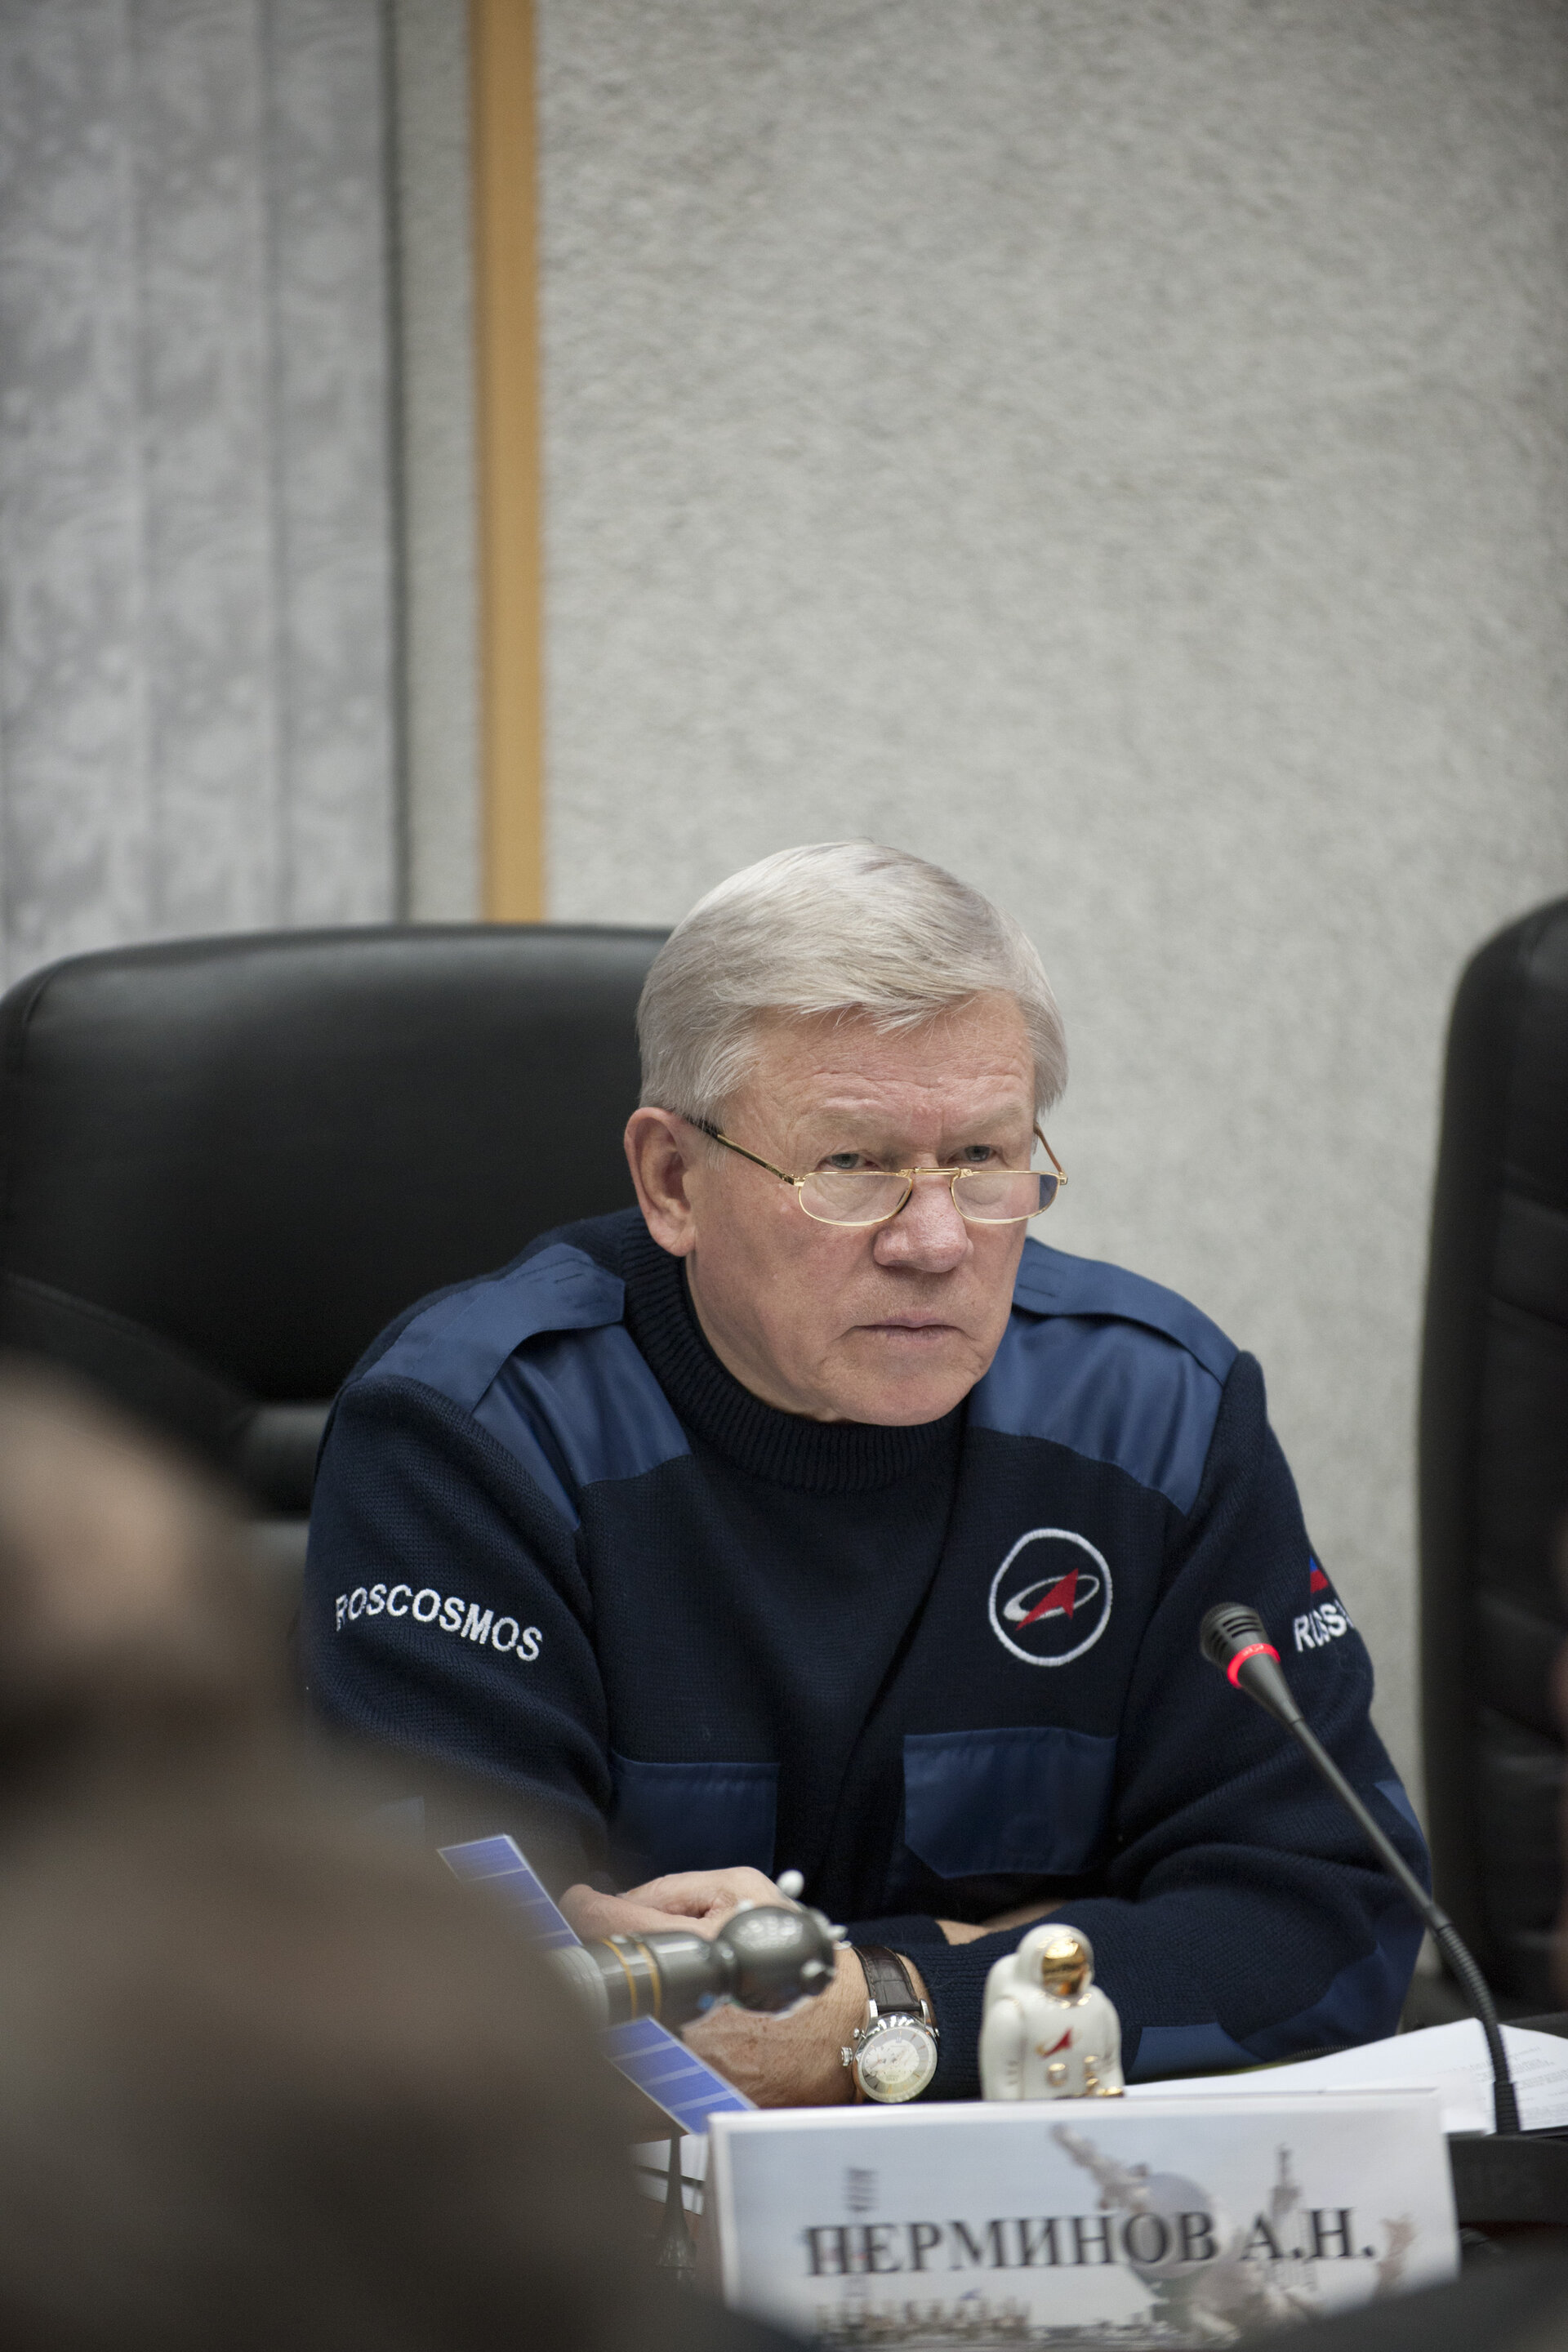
(1449, 2059)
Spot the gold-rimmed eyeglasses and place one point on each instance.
(872, 1196)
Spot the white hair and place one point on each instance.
(839, 928)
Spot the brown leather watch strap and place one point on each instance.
(887, 1981)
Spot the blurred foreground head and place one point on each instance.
(266, 2080)
(132, 1635)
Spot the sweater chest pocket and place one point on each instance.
(671, 1817)
(1034, 1800)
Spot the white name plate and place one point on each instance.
(1116, 2223)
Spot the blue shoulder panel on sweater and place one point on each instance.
(460, 1343)
(1051, 1283)
(1113, 1367)
(569, 1409)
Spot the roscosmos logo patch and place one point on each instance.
(1050, 1599)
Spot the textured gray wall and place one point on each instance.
(196, 726)
(1119, 451)
(436, 304)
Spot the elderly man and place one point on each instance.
(809, 1516)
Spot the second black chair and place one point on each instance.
(1494, 1458)
(225, 1163)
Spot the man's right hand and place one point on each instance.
(780, 2062)
(700, 1900)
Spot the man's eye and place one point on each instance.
(844, 1160)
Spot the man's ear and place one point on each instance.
(661, 1152)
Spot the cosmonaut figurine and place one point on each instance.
(1048, 2031)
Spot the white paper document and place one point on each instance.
(1448, 2059)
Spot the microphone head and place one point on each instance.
(1229, 1628)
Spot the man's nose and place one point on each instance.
(928, 1234)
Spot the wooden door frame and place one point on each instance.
(506, 406)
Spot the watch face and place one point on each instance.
(897, 2061)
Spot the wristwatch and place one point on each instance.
(893, 2056)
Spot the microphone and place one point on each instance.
(1235, 1641)
(763, 1958)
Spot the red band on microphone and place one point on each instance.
(1253, 1650)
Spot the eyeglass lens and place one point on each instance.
(857, 1196)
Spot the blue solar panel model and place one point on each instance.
(500, 1863)
(662, 2068)
(673, 2076)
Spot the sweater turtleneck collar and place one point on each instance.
(823, 1456)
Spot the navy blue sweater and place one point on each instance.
(942, 1671)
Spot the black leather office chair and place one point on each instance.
(224, 1164)
(1494, 1456)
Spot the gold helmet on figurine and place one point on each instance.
(1066, 1961)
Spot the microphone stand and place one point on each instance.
(1512, 2176)
(674, 2248)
